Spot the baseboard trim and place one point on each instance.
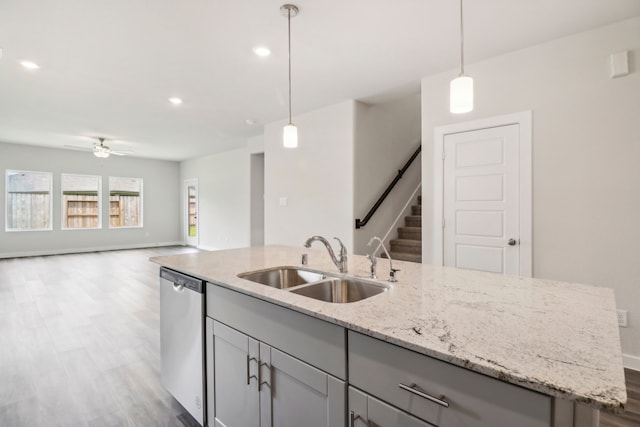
(90, 249)
(631, 362)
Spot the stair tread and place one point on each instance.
(403, 256)
(406, 242)
(413, 233)
(413, 221)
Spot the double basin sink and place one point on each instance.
(315, 285)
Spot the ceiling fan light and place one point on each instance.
(101, 152)
(290, 136)
(461, 95)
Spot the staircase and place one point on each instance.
(408, 245)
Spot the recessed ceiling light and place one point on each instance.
(29, 65)
(262, 51)
(250, 122)
(175, 101)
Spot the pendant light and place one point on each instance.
(461, 90)
(290, 131)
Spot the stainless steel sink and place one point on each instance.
(282, 277)
(340, 290)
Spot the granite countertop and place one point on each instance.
(558, 338)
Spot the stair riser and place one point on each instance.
(408, 249)
(410, 234)
(413, 222)
(404, 257)
(416, 210)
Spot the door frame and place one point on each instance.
(524, 119)
(191, 241)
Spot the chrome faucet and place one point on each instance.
(341, 263)
(392, 271)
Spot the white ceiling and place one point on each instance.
(108, 67)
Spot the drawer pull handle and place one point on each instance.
(353, 417)
(249, 376)
(419, 392)
(260, 382)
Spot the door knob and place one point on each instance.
(512, 242)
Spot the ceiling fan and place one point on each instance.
(99, 149)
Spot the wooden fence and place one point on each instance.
(32, 211)
(125, 211)
(81, 210)
(28, 211)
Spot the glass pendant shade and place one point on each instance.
(461, 95)
(290, 136)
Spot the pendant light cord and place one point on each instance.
(461, 42)
(289, 35)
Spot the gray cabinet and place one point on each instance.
(367, 411)
(318, 343)
(438, 392)
(236, 388)
(302, 395)
(257, 385)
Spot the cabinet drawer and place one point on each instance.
(319, 343)
(367, 411)
(474, 400)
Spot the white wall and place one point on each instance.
(386, 136)
(223, 193)
(586, 148)
(161, 195)
(316, 178)
(257, 199)
(255, 146)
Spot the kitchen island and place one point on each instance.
(556, 339)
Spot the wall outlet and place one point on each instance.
(622, 318)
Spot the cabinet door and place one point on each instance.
(299, 394)
(236, 378)
(367, 411)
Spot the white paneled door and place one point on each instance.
(481, 192)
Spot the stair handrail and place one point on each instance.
(374, 208)
(400, 215)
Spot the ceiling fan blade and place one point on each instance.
(75, 147)
(118, 153)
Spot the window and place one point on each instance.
(80, 201)
(125, 202)
(28, 201)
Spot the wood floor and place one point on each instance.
(79, 341)
(79, 344)
(631, 416)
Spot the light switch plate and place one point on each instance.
(283, 201)
(622, 318)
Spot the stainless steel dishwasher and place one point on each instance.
(181, 340)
